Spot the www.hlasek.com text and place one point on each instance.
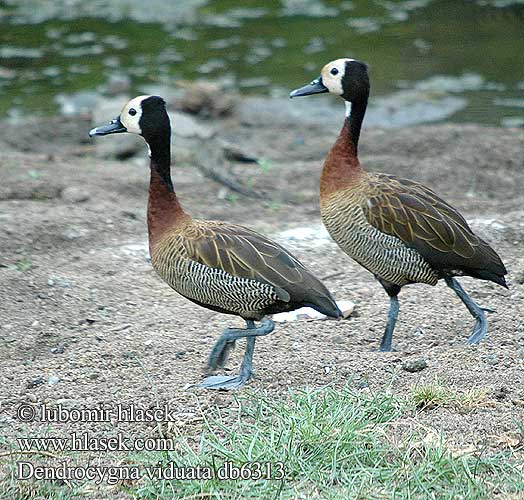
(84, 441)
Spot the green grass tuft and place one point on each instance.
(336, 445)
(437, 394)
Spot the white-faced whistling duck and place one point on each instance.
(224, 267)
(398, 229)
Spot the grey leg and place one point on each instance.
(387, 338)
(246, 368)
(220, 352)
(481, 323)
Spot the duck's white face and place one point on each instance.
(127, 121)
(332, 74)
(131, 114)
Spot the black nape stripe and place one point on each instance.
(355, 87)
(156, 130)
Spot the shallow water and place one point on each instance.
(458, 60)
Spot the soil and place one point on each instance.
(80, 301)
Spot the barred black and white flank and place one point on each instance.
(223, 267)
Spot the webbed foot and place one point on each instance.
(224, 382)
(479, 331)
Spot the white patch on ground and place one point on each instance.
(136, 250)
(406, 107)
(307, 313)
(314, 236)
(482, 222)
(448, 83)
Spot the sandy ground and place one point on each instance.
(85, 321)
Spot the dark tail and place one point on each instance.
(493, 268)
(327, 306)
(499, 279)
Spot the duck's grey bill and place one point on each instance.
(113, 127)
(315, 87)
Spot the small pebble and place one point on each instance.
(60, 282)
(53, 380)
(59, 349)
(35, 381)
(118, 84)
(501, 393)
(414, 365)
(74, 194)
(86, 321)
(362, 384)
(68, 402)
(519, 278)
(490, 359)
(119, 327)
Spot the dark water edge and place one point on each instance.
(440, 60)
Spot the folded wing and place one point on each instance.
(244, 253)
(426, 223)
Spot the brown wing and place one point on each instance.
(425, 222)
(244, 253)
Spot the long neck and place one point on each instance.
(342, 166)
(357, 110)
(164, 211)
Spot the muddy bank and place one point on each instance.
(84, 320)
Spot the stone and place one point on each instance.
(501, 393)
(206, 99)
(307, 313)
(35, 381)
(76, 103)
(73, 194)
(414, 365)
(235, 152)
(347, 307)
(491, 359)
(118, 84)
(185, 125)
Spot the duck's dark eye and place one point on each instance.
(132, 111)
(334, 71)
